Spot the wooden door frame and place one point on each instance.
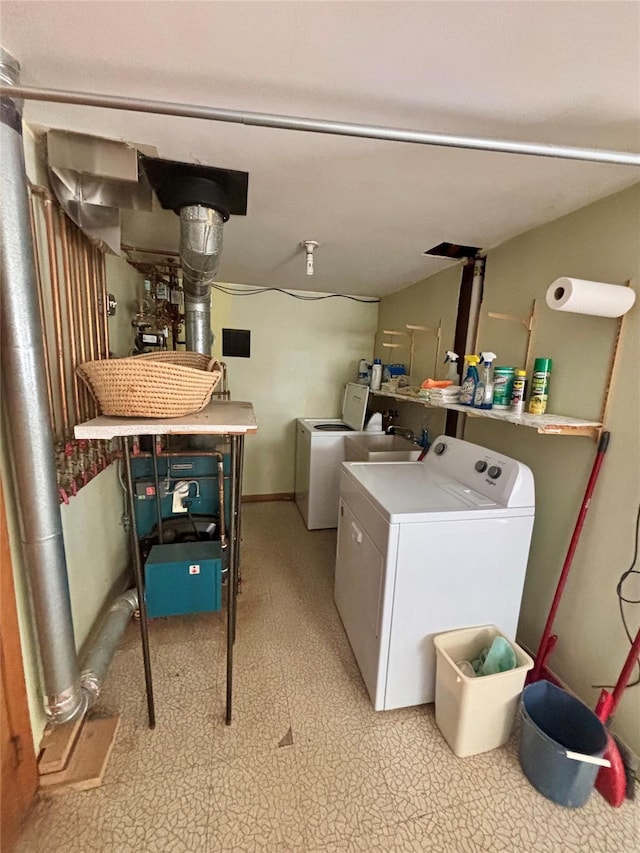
(18, 791)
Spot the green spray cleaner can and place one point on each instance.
(540, 386)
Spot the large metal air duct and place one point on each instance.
(203, 197)
(26, 406)
(200, 248)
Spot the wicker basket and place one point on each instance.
(157, 385)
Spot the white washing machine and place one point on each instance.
(320, 449)
(426, 547)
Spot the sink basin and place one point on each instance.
(380, 448)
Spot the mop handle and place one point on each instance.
(543, 649)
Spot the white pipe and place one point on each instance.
(338, 128)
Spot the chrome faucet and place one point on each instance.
(398, 430)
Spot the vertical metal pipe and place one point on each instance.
(139, 576)
(87, 293)
(45, 342)
(231, 577)
(77, 290)
(26, 405)
(102, 281)
(71, 325)
(156, 479)
(52, 251)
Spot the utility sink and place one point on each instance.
(380, 448)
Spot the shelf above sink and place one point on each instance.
(545, 424)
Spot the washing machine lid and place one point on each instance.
(407, 492)
(354, 405)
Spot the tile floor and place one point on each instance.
(350, 780)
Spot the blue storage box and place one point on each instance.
(183, 578)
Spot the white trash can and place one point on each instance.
(475, 714)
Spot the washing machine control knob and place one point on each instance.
(481, 466)
(494, 472)
(440, 448)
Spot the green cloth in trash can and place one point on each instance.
(499, 657)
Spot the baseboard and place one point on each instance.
(280, 496)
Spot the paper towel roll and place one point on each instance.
(590, 297)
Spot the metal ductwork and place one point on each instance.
(93, 179)
(203, 197)
(200, 249)
(98, 658)
(26, 405)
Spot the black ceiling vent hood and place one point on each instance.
(452, 250)
(179, 185)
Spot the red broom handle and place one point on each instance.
(543, 649)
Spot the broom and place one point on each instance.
(611, 781)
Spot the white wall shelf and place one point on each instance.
(545, 424)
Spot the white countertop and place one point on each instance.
(220, 417)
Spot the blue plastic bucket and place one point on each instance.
(554, 722)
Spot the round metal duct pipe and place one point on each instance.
(200, 249)
(26, 405)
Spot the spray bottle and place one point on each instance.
(471, 379)
(452, 371)
(483, 398)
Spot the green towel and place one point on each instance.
(499, 657)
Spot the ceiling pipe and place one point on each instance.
(26, 404)
(337, 128)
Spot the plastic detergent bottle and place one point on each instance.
(471, 378)
(540, 386)
(376, 374)
(483, 397)
(453, 371)
(363, 372)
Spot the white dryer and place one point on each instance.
(320, 449)
(426, 547)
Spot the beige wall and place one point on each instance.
(426, 303)
(599, 242)
(95, 541)
(302, 354)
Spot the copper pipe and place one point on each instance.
(57, 312)
(94, 298)
(104, 295)
(87, 300)
(101, 297)
(75, 268)
(45, 342)
(68, 292)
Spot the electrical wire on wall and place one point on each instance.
(244, 291)
(622, 598)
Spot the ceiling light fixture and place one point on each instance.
(309, 247)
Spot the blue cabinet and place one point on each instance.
(183, 578)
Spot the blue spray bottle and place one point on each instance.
(483, 398)
(470, 381)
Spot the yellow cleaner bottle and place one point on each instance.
(468, 387)
(540, 386)
(483, 398)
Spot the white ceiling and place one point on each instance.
(556, 72)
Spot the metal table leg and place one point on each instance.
(137, 567)
(240, 440)
(231, 578)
